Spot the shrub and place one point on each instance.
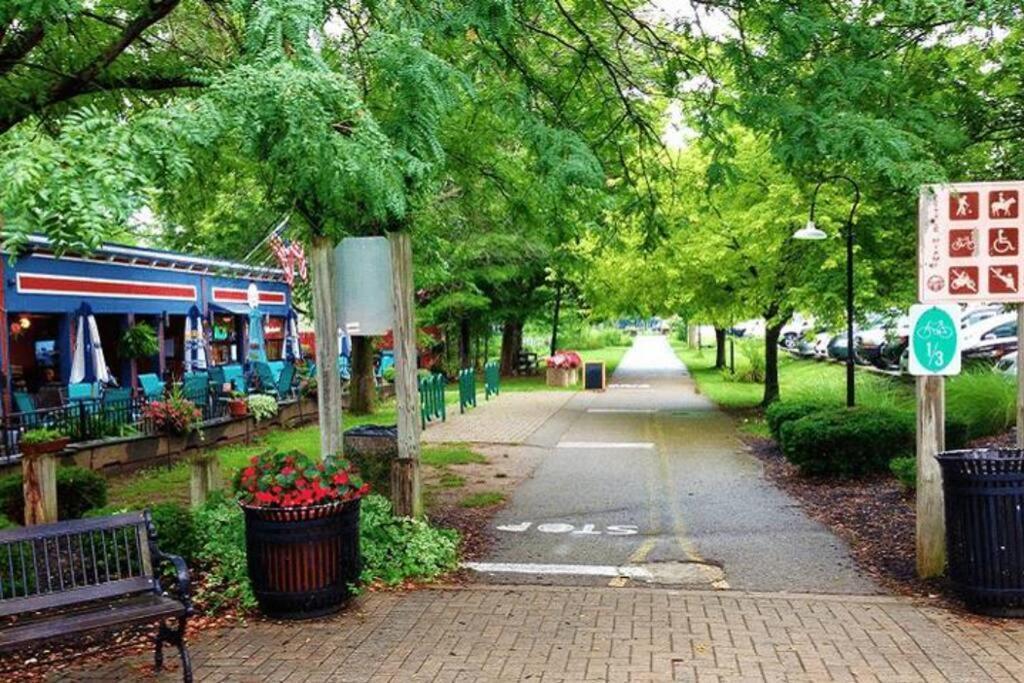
(175, 528)
(219, 527)
(175, 415)
(781, 412)
(755, 371)
(41, 435)
(986, 401)
(958, 431)
(78, 490)
(396, 549)
(847, 441)
(905, 470)
(262, 407)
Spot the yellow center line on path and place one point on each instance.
(678, 525)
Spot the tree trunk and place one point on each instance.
(771, 363)
(554, 318)
(465, 342)
(511, 345)
(363, 387)
(325, 325)
(720, 348)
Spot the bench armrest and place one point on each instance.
(183, 583)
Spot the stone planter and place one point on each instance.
(562, 377)
(55, 446)
(302, 560)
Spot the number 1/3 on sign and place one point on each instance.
(934, 339)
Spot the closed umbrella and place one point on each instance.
(292, 348)
(257, 348)
(195, 344)
(88, 363)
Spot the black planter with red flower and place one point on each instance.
(301, 531)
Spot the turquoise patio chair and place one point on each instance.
(24, 402)
(268, 384)
(235, 375)
(83, 391)
(285, 381)
(344, 368)
(152, 387)
(276, 366)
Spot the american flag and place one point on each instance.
(290, 255)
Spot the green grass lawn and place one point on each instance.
(984, 399)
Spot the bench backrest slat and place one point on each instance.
(63, 564)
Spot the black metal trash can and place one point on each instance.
(984, 493)
(372, 449)
(302, 561)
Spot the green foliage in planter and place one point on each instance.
(395, 549)
(41, 435)
(781, 412)
(389, 374)
(847, 441)
(262, 407)
(78, 490)
(139, 341)
(905, 470)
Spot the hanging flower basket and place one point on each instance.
(301, 533)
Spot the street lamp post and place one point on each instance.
(812, 232)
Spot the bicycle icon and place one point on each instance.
(963, 245)
(935, 329)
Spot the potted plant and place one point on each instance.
(563, 369)
(42, 440)
(139, 341)
(175, 414)
(301, 532)
(262, 406)
(237, 404)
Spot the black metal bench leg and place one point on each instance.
(186, 661)
(158, 656)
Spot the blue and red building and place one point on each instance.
(125, 285)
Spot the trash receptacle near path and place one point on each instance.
(984, 494)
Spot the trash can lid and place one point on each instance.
(982, 460)
(373, 430)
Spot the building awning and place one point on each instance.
(230, 309)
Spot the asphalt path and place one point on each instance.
(650, 475)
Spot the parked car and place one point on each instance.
(1007, 364)
(821, 342)
(749, 328)
(990, 339)
(837, 347)
(978, 313)
(882, 330)
(795, 330)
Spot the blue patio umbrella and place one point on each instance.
(195, 344)
(257, 347)
(88, 363)
(293, 350)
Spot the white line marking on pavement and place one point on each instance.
(606, 444)
(629, 386)
(643, 411)
(638, 573)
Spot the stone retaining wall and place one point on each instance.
(117, 455)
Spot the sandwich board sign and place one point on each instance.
(969, 243)
(934, 339)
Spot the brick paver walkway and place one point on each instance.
(509, 418)
(607, 634)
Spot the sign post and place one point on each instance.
(934, 346)
(969, 250)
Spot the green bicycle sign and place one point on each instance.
(934, 340)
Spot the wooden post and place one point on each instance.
(405, 471)
(931, 514)
(1020, 384)
(204, 477)
(325, 324)
(39, 487)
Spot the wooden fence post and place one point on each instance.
(39, 487)
(204, 477)
(405, 471)
(931, 513)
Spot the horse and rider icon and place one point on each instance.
(1002, 204)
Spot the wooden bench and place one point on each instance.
(65, 580)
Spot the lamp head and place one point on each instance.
(809, 232)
